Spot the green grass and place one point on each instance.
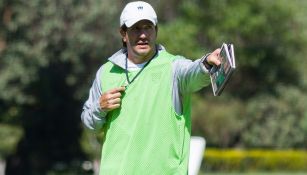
(256, 173)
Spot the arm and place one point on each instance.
(191, 75)
(93, 117)
(194, 75)
(98, 104)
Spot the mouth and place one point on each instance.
(142, 43)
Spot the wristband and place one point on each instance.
(207, 65)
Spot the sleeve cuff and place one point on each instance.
(98, 111)
(202, 65)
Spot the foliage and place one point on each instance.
(49, 53)
(266, 121)
(254, 173)
(255, 160)
(11, 135)
(178, 43)
(219, 127)
(269, 39)
(91, 144)
(39, 34)
(277, 122)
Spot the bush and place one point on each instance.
(9, 136)
(255, 160)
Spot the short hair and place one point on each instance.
(124, 28)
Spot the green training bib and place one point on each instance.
(145, 136)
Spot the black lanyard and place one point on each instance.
(126, 68)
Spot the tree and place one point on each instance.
(278, 122)
(49, 53)
(269, 39)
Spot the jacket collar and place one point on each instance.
(119, 57)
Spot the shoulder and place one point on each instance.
(181, 61)
(104, 69)
(115, 60)
(176, 61)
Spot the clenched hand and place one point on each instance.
(111, 99)
(213, 58)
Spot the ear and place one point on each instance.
(123, 34)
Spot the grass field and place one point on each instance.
(257, 173)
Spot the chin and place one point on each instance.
(143, 51)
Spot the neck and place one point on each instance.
(139, 59)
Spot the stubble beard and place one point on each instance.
(144, 52)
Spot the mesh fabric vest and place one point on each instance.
(145, 136)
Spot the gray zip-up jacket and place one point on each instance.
(187, 76)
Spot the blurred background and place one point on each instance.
(50, 51)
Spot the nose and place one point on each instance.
(143, 33)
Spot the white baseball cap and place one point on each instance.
(137, 11)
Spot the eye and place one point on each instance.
(148, 27)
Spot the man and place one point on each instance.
(140, 98)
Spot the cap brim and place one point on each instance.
(131, 22)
